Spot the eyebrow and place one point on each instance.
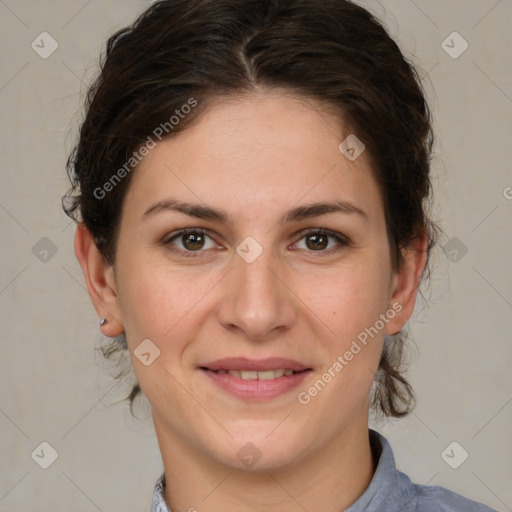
(295, 214)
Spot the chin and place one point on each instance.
(259, 452)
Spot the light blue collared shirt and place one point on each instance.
(390, 490)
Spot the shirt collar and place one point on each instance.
(387, 484)
(389, 489)
(158, 504)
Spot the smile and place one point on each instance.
(256, 386)
(253, 375)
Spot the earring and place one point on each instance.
(102, 321)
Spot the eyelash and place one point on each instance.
(341, 239)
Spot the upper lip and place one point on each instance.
(258, 365)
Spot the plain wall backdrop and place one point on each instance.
(54, 385)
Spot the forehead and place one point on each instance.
(256, 151)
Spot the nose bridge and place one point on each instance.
(256, 299)
(258, 278)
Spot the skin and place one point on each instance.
(256, 157)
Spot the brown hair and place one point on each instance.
(332, 51)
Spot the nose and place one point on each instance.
(257, 300)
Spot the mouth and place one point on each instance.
(256, 380)
(244, 364)
(257, 375)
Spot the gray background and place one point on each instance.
(55, 388)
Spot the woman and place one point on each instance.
(251, 184)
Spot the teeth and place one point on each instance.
(270, 374)
(252, 375)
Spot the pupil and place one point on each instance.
(316, 237)
(195, 239)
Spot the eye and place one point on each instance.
(191, 240)
(194, 240)
(317, 240)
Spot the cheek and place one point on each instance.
(155, 299)
(351, 304)
(350, 299)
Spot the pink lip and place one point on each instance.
(257, 365)
(257, 390)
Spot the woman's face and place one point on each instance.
(253, 285)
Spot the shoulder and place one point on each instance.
(433, 498)
(391, 490)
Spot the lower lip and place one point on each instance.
(256, 389)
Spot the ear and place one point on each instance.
(406, 282)
(100, 281)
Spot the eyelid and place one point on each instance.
(343, 240)
(185, 231)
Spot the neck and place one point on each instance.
(328, 480)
